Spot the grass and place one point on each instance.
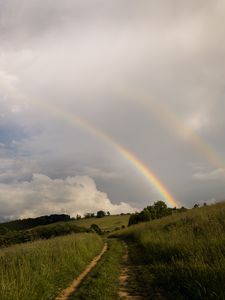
(108, 223)
(40, 232)
(181, 256)
(103, 281)
(39, 270)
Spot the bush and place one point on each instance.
(100, 214)
(96, 229)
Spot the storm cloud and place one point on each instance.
(120, 66)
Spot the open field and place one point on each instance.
(39, 270)
(108, 223)
(181, 256)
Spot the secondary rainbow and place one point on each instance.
(173, 122)
(145, 171)
(128, 155)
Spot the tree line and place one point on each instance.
(33, 222)
(156, 211)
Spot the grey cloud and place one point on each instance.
(217, 174)
(90, 58)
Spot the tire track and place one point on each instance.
(127, 285)
(65, 294)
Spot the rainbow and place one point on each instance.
(149, 175)
(175, 124)
(151, 178)
(128, 155)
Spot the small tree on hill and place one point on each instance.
(100, 214)
(196, 206)
(78, 217)
(89, 215)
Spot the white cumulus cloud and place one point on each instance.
(43, 195)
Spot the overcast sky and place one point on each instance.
(150, 74)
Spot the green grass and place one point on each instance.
(40, 232)
(103, 281)
(181, 256)
(108, 223)
(39, 270)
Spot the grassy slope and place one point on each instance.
(108, 223)
(181, 256)
(103, 281)
(40, 232)
(39, 270)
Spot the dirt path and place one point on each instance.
(74, 285)
(128, 287)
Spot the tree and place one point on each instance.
(89, 215)
(160, 209)
(156, 211)
(144, 215)
(134, 219)
(100, 214)
(108, 213)
(196, 206)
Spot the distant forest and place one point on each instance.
(33, 222)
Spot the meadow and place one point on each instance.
(108, 223)
(39, 270)
(11, 237)
(180, 256)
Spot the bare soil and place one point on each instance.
(128, 287)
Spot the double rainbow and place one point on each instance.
(173, 122)
(125, 153)
(148, 174)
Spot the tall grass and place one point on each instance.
(182, 256)
(103, 282)
(39, 270)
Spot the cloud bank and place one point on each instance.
(91, 59)
(43, 195)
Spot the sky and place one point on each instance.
(86, 85)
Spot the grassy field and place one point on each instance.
(108, 223)
(181, 256)
(40, 232)
(39, 270)
(103, 281)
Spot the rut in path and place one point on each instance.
(128, 289)
(65, 295)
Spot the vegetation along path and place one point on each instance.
(128, 286)
(113, 278)
(74, 285)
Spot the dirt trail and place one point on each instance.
(128, 287)
(74, 285)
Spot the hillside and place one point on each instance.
(12, 237)
(39, 270)
(16, 232)
(108, 223)
(181, 256)
(33, 222)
